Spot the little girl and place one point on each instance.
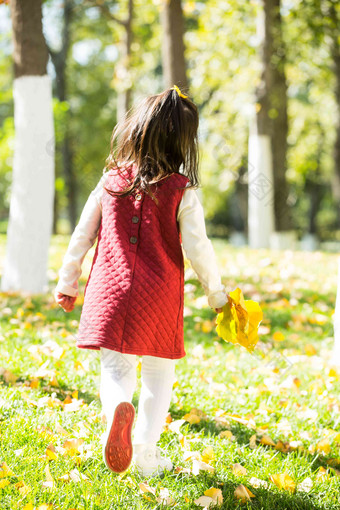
(143, 210)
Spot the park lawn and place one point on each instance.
(276, 412)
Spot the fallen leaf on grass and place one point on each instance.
(282, 447)
(243, 493)
(205, 501)
(208, 454)
(283, 481)
(258, 483)
(199, 465)
(8, 376)
(49, 482)
(252, 442)
(323, 446)
(4, 482)
(267, 440)
(227, 434)
(238, 470)
(23, 488)
(29, 506)
(5, 470)
(306, 485)
(51, 452)
(71, 446)
(191, 418)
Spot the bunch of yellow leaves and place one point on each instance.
(239, 320)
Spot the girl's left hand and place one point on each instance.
(66, 302)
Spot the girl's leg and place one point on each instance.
(118, 380)
(157, 377)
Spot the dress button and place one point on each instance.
(135, 219)
(138, 196)
(133, 240)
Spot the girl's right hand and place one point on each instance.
(66, 302)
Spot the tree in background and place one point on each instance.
(174, 66)
(268, 146)
(59, 60)
(122, 80)
(31, 205)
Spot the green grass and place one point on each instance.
(285, 392)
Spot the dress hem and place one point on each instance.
(132, 351)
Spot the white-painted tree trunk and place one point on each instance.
(335, 358)
(286, 240)
(260, 189)
(32, 192)
(310, 242)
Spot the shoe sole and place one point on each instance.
(118, 449)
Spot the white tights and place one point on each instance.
(118, 383)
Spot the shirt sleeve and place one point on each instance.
(198, 248)
(82, 239)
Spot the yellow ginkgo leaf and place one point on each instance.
(239, 320)
(215, 494)
(191, 418)
(29, 506)
(283, 481)
(243, 493)
(238, 470)
(267, 440)
(5, 471)
(324, 446)
(227, 434)
(208, 454)
(4, 483)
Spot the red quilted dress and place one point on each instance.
(133, 299)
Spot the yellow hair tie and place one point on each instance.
(178, 91)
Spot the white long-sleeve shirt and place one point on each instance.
(197, 247)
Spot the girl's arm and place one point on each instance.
(198, 248)
(82, 239)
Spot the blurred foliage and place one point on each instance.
(222, 52)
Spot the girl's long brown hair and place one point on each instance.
(159, 136)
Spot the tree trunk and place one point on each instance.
(59, 60)
(32, 193)
(271, 122)
(124, 96)
(336, 149)
(174, 66)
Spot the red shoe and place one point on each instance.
(117, 449)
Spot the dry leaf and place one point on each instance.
(164, 497)
(4, 482)
(243, 493)
(306, 485)
(191, 418)
(199, 465)
(252, 442)
(266, 440)
(208, 454)
(5, 470)
(227, 434)
(324, 446)
(51, 452)
(49, 482)
(238, 470)
(258, 483)
(29, 506)
(283, 481)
